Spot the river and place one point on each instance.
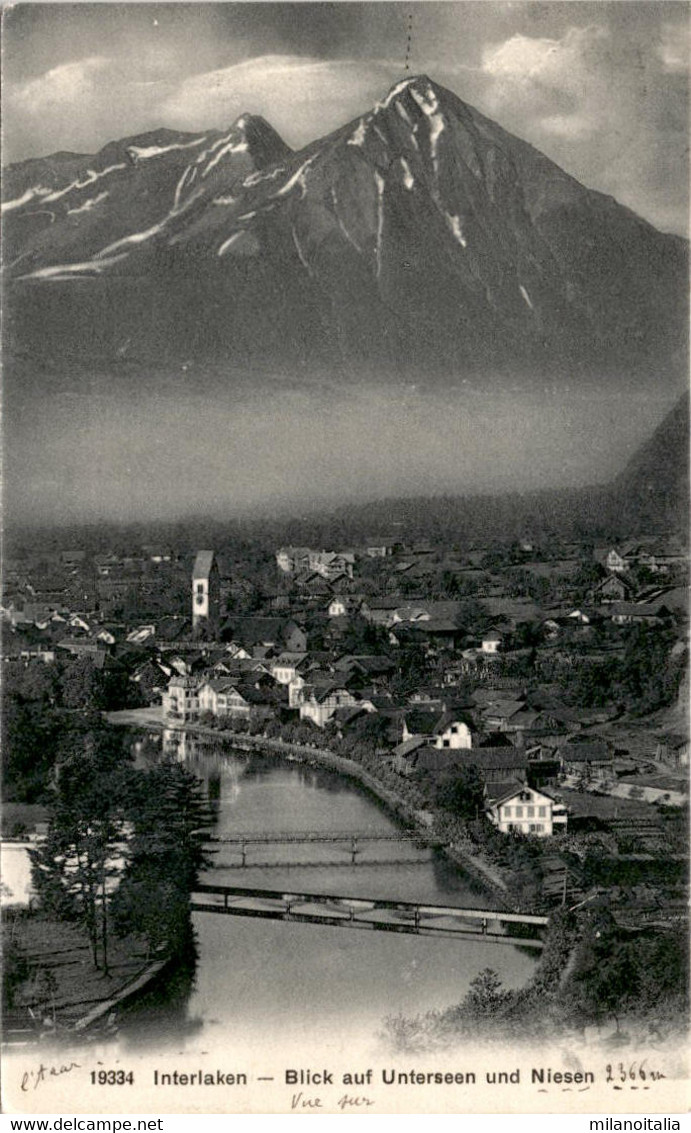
(256, 977)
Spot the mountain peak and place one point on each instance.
(264, 143)
(421, 84)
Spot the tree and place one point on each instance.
(485, 996)
(461, 792)
(82, 684)
(74, 869)
(165, 855)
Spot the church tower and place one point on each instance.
(206, 589)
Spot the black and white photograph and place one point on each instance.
(345, 525)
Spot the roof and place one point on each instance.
(256, 630)
(494, 757)
(421, 722)
(638, 609)
(450, 717)
(203, 564)
(497, 790)
(586, 753)
(409, 746)
(503, 708)
(510, 791)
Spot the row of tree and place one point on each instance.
(124, 844)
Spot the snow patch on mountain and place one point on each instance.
(143, 153)
(394, 93)
(225, 201)
(429, 105)
(454, 224)
(229, 147)
(298, 178)
(184, 182)
(27, 195)
(91, 176)
(228, 243)
(526, 296)
(403, 113)
(301, 255)
(61, 272)
(135, 238)
(357, 138)
(408, 179)
(89, 205)
(379, 181)
(256, 178)
(348, 235)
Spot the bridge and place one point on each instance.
(375, 914)
(303, 836)
(355, 842)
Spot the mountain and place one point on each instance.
(421, 238)
(653, 489)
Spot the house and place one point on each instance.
(206, 589)
(492, 641)
(525, 810)
(642, 613)
(378, 547)
(251, 631)
(180, 701)
(332, 564)
(237, 700)
(616, 561)
(141, 634)
(498, 763)
(286, 666)
(321, 700)
(341, 605)
(673, 749)
(453, 732)
(592, 758)
(499, 713)
(405, 754)
(380, 611)
(613, 588)
(294, 637)
(290, 560)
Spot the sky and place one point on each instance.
(601, 88)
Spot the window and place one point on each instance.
(536, 827)
(530, 811)
(200, 599)
(519, 812)
(200, 588)
(507, 812)
(446, 743)
(542, 812)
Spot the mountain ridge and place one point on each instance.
(421, 234)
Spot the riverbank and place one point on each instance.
(56, 988)
(422, 822)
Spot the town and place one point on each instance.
(525, 701)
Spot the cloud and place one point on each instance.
(608, 104)
(302, 97)
(90, 101)
(674, 49)
(63, 85)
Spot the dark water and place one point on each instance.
(257, 979)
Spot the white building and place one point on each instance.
(525, 810)
(180, 701)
